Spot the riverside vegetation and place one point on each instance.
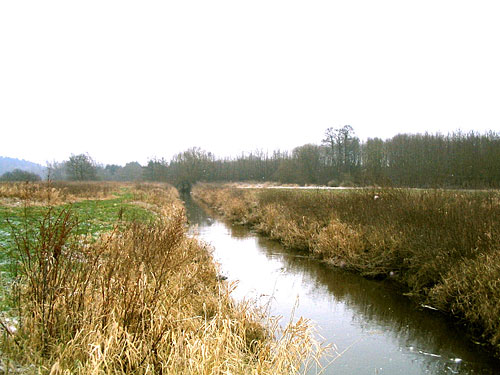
(442, 246)
(101, 278)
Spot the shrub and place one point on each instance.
(20, 175)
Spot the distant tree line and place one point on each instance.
(8, 164)
(462, 160)
(20, 175)
(83, 168)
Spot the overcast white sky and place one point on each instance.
(130, 80)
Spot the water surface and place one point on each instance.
(377, 330)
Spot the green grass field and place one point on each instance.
(93, 217)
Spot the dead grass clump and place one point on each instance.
(56, 192)
(362, 249)
(237, 205)
(341, 245)
(156, 195)
(471, 292)
(17, 193)
(431, 241)
(145, 300)
(297, 234)
(88, 189)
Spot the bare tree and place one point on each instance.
(81, 168)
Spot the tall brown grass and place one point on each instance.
(442, 246)
(56, 192)
(145, 300)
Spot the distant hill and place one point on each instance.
(9, 164)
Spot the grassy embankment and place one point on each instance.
(443, 247)
(114, 285)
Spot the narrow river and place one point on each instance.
(377, 330)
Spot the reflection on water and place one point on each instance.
(381, 331)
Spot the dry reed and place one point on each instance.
(441, 246)
(145, 300)
(55, 192)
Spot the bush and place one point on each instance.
(20, 175)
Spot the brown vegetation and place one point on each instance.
(442, 246)
(55, 192)
(143, 300)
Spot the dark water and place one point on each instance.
(377, 330)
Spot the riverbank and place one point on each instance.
(141, 298)
(441, 246)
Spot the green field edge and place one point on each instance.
(94, 217)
